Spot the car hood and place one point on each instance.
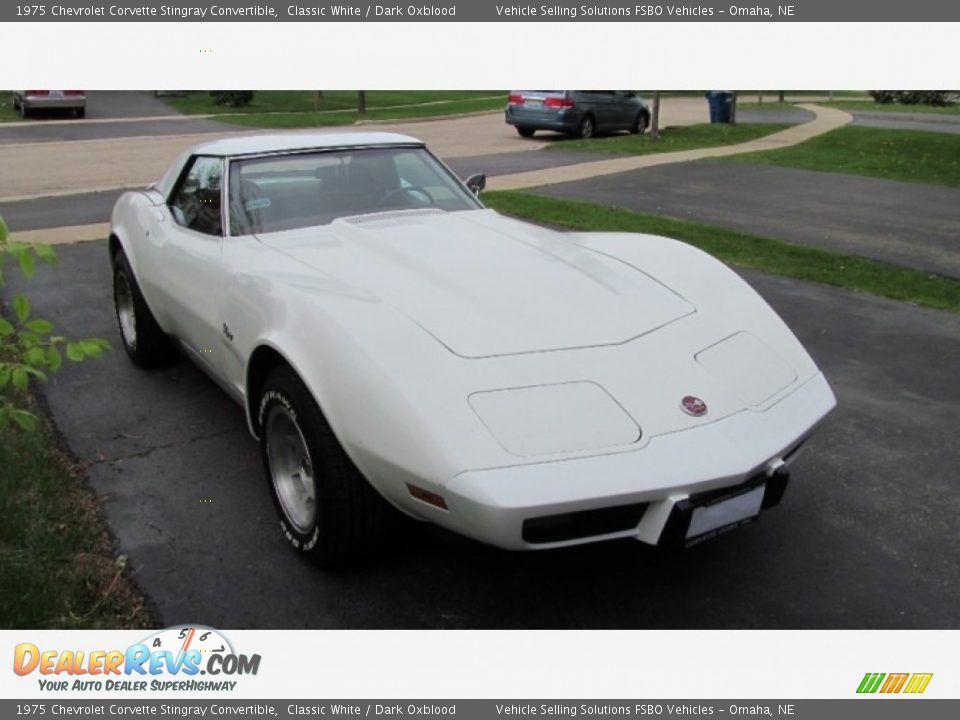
(484, 285)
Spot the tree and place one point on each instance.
(232, 98)
(655, 121)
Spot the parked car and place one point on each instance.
(393, 342)
(26, 101)
(579, 113)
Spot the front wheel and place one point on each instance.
(143, 339)
(328, 510)
(641, 124)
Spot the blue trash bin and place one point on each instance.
(721, 105)
(724, 107)
(711, 97)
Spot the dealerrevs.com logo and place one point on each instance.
(177, 659)
(893, 683)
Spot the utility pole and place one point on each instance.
(362, 101)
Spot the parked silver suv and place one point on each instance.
(580, 113)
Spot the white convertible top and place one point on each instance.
(242, 144)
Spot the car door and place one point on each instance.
(627, 108)
(190, 257)
(606, 109)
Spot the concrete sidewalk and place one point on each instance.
(826, 119)
(100, 165)
(69, 166)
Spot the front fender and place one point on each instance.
(365, 365)
(134, 225)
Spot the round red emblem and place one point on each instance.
(693, 405)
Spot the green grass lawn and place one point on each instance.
(911, 155)
(774, 256)
(301, 108)
(768, 106)
(673, 139)
(57, 567)
(7, 113)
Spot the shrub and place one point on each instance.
(28, 346)
(939, 98)
(232, 98)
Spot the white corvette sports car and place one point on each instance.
(392, 339)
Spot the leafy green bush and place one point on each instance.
(232, 98)
(883, 96)
(28, 346)
(939, 98)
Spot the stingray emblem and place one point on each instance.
(692, 405)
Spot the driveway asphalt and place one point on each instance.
(125, 104)
(865, 537)
(905, 223)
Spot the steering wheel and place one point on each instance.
(420, 196)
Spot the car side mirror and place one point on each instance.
(476, 183)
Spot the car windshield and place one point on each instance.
(284, 192)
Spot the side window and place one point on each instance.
(195, 202)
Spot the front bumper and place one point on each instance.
(635, 493)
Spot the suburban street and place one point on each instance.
(864, 538)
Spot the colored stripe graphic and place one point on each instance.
(870, 682)
(918, 682)
(894, 683)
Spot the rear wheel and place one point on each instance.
(327, 509)
(80, 113)
(143, 339)
(526, 131)
(586, 128)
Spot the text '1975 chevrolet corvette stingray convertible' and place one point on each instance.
(395, 343)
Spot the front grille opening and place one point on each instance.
(583, 523)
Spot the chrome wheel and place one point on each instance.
(291, 469)
(126, 312)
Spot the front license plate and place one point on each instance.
(724, 514)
